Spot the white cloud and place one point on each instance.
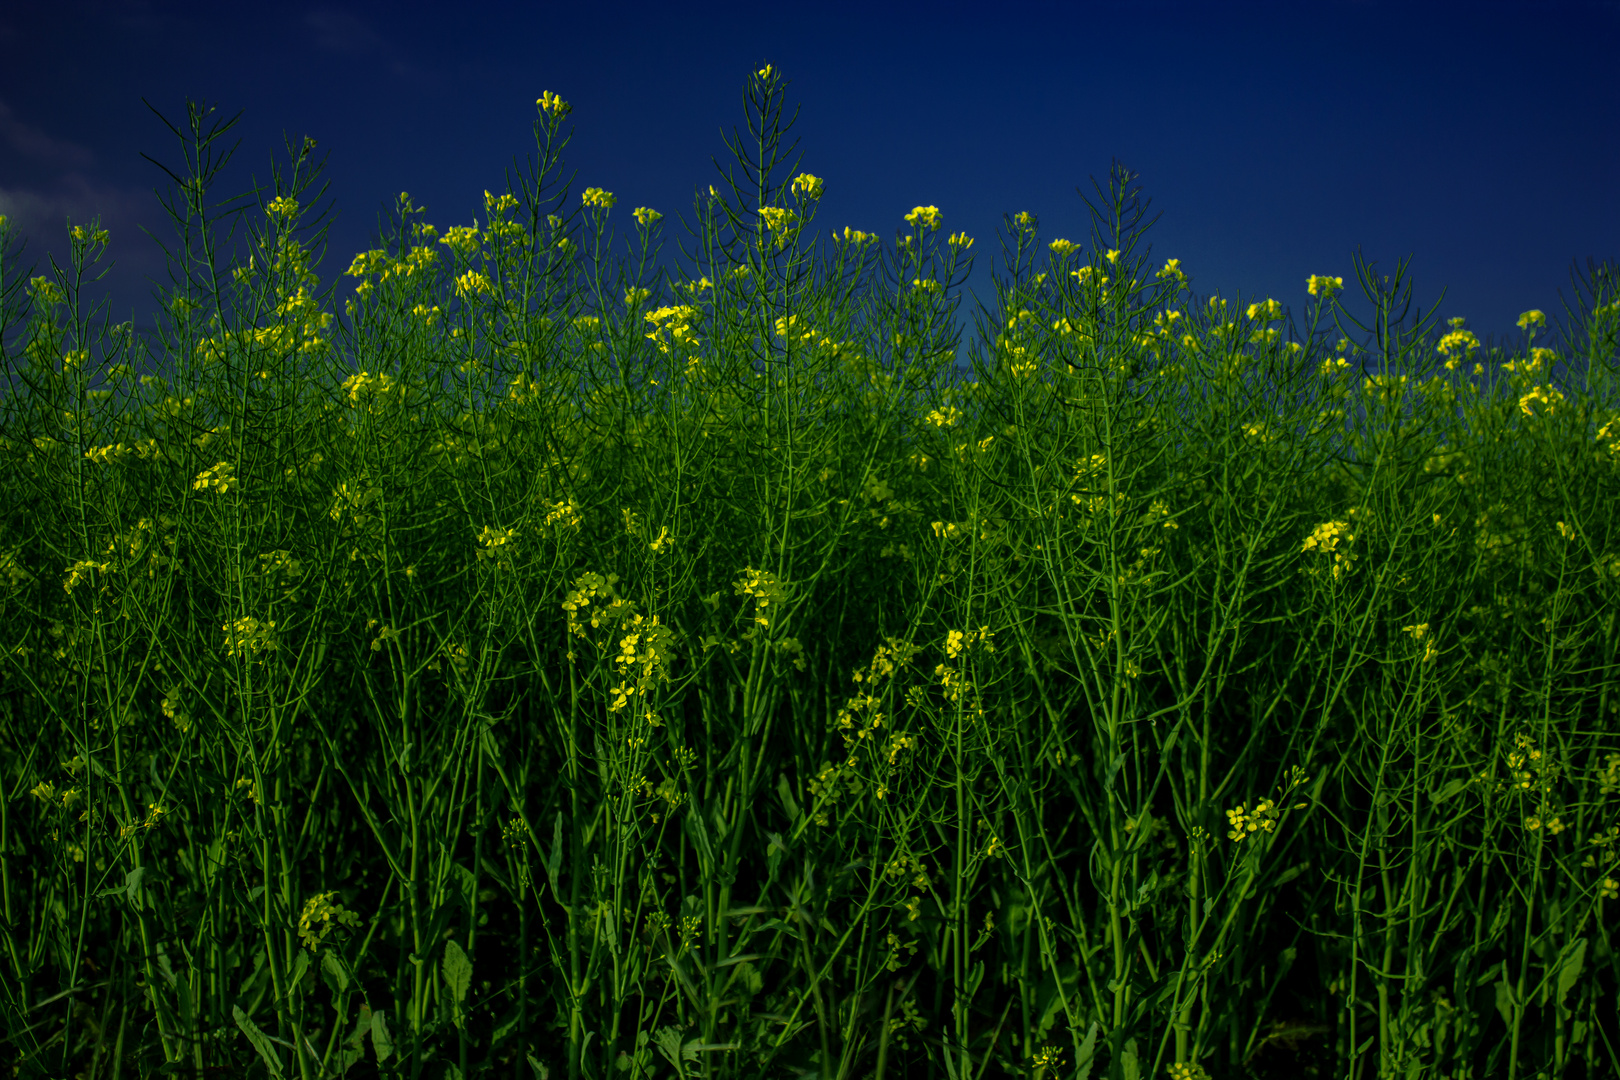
(36, 145)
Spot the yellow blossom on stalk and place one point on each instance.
(1270, 311)
(1548, 397)
(1324, 287)
(1532, 318)
(1172, 269)
(1539, 359)
(679, 328)
(1264, 817)
(807, 186)
(248, 635)
(462, 239)
(88, 236)
(1331, 368)
(765, 588)
(646, 217)
(491, 541)
(1457, 340)
(786, 323)
(946, 417)
(320, 917)
(778, 220)
(1062, 248)
(595, 196)
(47, 292)
(1050, 1057)
(1325, 538)
(553, 105)
(927, 215)
(960, 241)
(472, 283)
(217, 478)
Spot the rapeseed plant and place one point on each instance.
(711, 670)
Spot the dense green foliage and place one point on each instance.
(515, 676)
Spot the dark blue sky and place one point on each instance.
(1482, 139)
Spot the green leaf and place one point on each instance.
(300, 966)
(669, 1044)
(789, 803)
(257, 1038)
(1113, 771)
(1170, 740)
(1285, 961)
(166, 968)
(1144, 892)
(362, 1025)
(466, 886)
(554, 860)
(1127, 1060)
(337, 973)
(1438, 797)
(1291, 873)
(774, 850)
(1084, 1058)
(250, 985)
(457, 974)
(699, 835)
(1504, 1001)
(1049, 996)
(540, 1071)
(975, 977)
(1574, 960)
(380, 1041)
(132, 885)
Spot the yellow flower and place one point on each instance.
(927, 215)
(318, 918)
(1270, 311)
(1324, 287)
(807, 186)
(553, 105)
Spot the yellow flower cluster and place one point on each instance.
(320, 917)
